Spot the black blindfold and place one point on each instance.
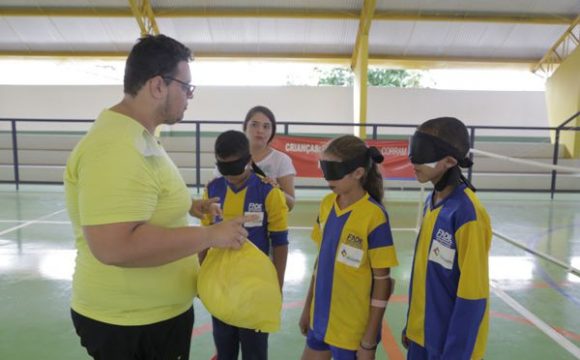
(336, 170)
(233, 168)
(425, 148)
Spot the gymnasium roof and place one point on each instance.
(408, 33)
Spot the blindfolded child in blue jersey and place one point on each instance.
(351, 284)
(449, 291)
(241, 191)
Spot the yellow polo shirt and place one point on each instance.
(119, 173)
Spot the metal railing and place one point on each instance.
(560, 127)
(374, 134)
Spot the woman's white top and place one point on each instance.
(276, 165)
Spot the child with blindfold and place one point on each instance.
(351, 284)
(449, 291)
(240, 190)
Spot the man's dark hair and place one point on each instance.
(153, 55)
(449, 129)
(267, 113)
(232, 143)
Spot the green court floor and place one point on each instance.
(535, 305)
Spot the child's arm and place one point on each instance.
(279, 258)
(473, 242)
(278, 231)
(201, 255)
(381, 291)
(304, 322)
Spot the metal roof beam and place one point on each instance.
(563, 47)
(364, 26)
(409, 62)
(379, 15)
(359, 64)
(145, 17)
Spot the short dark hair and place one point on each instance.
(232, 143)
(151, 56)
(267, 113)
(449, 129)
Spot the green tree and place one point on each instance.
(340, 76)
(337, 76)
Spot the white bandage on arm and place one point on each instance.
(383, 277)
(379, 303)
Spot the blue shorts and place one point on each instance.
(417, 352)
(337, 353)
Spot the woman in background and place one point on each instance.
(260, 128)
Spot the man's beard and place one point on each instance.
(170, 119)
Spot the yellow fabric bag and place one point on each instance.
(240, 288)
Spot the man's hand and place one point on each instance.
(230, 234)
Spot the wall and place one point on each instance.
(310, 104)
(563, 100)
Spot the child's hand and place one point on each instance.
(405, 341)
(365, 354)
(213, 208)
(207, 206)
(304, 321)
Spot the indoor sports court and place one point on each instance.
(534, 303)
(373, 68)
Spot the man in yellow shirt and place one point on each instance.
(136, 266)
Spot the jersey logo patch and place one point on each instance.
(257, 222)
(255, 207)
(354, 241)
(349, 255)
(444, 238)
(441, 249)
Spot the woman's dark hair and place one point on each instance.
(153, 55)
(233, 143)
(267, 113)
(449, 129)
(348, 147)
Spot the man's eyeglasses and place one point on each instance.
(187, 88)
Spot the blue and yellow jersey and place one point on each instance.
(351, 242)
(449, 291)
(254, 197)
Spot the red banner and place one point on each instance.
(305, 153)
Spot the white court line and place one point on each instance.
(545, 328)
(568, 267)
(39, 220)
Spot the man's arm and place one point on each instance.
(135, 244)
